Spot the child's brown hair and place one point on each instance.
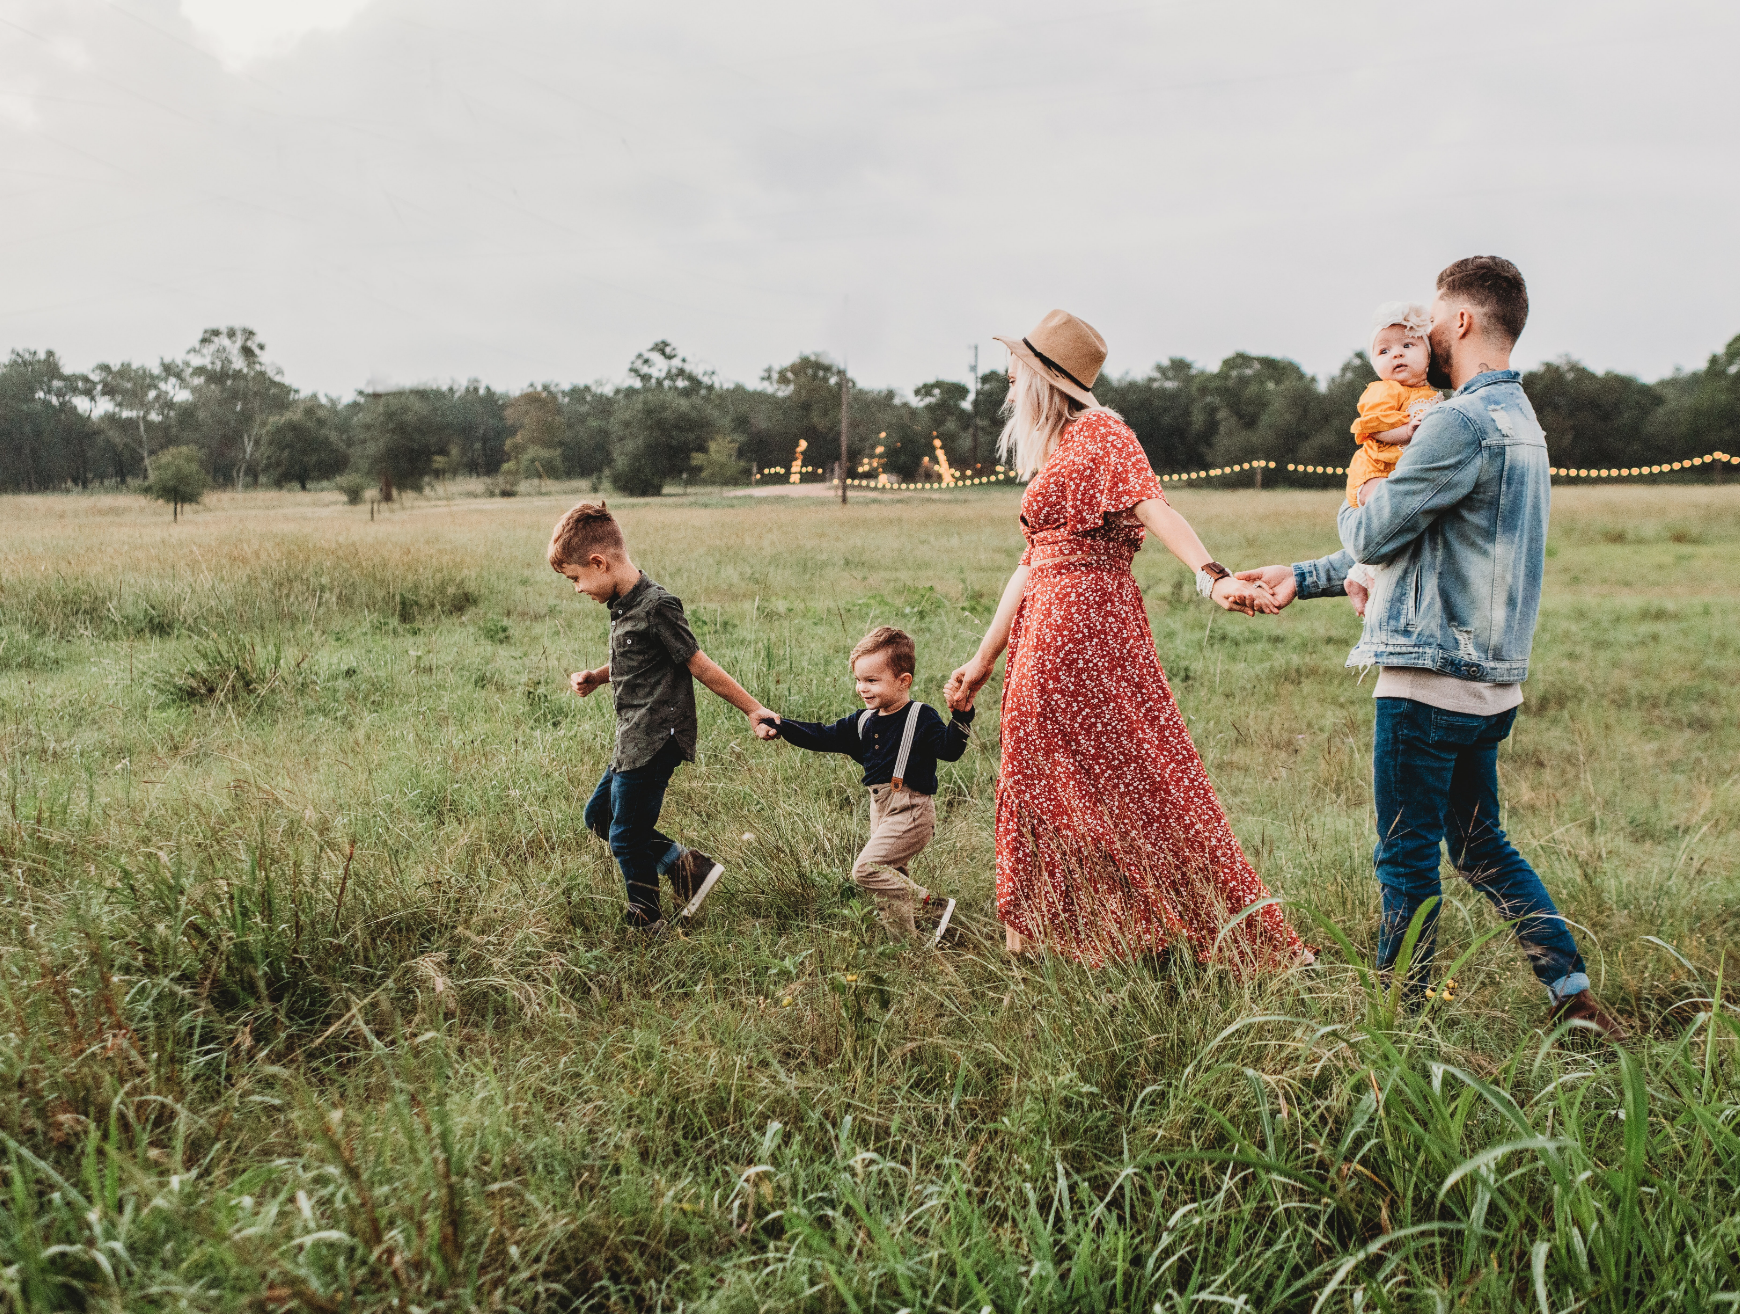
(902, 654)
(584, 530)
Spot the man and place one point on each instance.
(1460, 533)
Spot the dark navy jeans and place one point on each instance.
(1435, 779)
(624, 811)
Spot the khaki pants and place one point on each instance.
(901, 824)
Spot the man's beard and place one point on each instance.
(1438, 367)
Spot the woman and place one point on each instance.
(1110, 840)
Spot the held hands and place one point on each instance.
(1277, 581)
(763, 720)
(1242, 594)
(965, 683)
(584, 682)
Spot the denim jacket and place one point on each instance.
(1460, 531)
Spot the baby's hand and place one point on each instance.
(1359, 595)
(584, 682)
(1360, 494)
(763, 720)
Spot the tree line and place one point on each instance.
(223, 411)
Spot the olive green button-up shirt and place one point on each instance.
(650, 647)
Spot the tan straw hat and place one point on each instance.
(1066, 350)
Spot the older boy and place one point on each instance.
(654, 661)
(898, 742)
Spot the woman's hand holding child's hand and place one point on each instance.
(763, 720)
(965, 683)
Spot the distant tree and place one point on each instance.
(354, 484)
(659, 423)
(806, 407)
(987, 414)
(303, 443)
(1295, 414)
(399, 435)
(663, 366)
(1713, 418)
(1591, 419)
(586, 412)
(755, 418)
(1265, 408)
(140, 401)
(943, 417)
(1243, 386)
(177, 477)
(654, 431)
(718, 466)
(536, 417)
(539, 463)
(1673, 427)
(1170, 410)
(47, 438)
(478, 431)
(235, 392)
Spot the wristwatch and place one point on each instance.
(1208, 575)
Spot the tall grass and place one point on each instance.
(315, 995)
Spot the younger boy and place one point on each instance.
(654, 661)
(898, 742)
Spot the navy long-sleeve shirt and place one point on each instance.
(879, 746)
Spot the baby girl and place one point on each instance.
(1389, 410)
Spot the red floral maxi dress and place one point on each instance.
(1110, 840)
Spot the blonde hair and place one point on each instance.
(1038, 413)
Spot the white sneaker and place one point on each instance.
(942, 921)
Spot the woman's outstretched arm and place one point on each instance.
(1181, 541)
(965, 683)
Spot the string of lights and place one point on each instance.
(1003, 476)
(1181, 476)
(1628, 472)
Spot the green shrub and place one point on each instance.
(177, 477)
(227, 668)
(354, 485)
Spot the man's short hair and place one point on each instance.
(1491, 284)
(902, 654)
(584, 530)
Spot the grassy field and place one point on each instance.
(315, 995)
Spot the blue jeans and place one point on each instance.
(624, 812)
(1435, 778)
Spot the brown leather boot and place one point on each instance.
(692, 880)
(1581, 1007)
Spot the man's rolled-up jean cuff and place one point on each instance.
(1573, 983)
(672, 854)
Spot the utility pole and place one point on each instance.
(845, 386)
(973, 411)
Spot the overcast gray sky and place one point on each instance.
(410, 190)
